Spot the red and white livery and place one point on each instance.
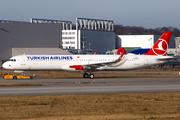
(89, 63)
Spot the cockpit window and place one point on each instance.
(13, 60)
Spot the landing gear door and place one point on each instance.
(23, 60)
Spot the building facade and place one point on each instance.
(142, 41)
(14, 35)
(88, 35)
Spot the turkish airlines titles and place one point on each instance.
(49, 57)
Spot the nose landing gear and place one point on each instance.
(91, 76)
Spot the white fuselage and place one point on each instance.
(62, 62)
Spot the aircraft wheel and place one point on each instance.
(85, 75)
(91, 76)
(14, 77)
(31, 77)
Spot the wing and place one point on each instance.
(90, 66)
(93, 65)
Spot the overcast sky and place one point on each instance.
(145, 13)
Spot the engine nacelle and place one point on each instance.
(72, 67)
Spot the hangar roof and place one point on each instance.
(39, 51)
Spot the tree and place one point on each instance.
(133, 30)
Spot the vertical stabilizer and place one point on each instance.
(161, 46)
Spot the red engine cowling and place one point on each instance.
(77, 67)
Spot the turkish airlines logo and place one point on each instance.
(160, 48)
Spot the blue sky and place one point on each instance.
(145, 13)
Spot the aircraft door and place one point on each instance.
(145, 60)
(78, 60)
(23, 60)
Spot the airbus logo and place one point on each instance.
(160, 48)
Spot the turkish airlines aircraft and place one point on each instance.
(89, 63)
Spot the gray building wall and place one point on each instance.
(28, 35)
(172, 42)
(98, 40)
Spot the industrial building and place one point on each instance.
(44, 36)
(89, 35)
(142, 41)
(25, 35)
(176, 50)
(177, 42)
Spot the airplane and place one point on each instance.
(89, 63)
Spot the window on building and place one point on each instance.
(72, 42)
(68, 37)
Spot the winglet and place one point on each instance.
(95, 53)
(161, 46)
(121, 51)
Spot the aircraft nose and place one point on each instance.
(5, 65)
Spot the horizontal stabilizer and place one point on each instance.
(165, 58)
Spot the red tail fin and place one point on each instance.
(161, 46)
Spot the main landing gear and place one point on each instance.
(85, 75)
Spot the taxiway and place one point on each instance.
(75, 86)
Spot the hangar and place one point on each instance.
(143, 41)
(89, 35)
(26, 35)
